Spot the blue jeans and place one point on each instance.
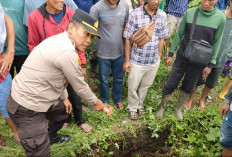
(226, 131)
(5, 87)
(116, 65)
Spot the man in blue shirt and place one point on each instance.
(85, 4)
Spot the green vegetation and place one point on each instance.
(197, 135)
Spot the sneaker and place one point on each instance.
(59, 138)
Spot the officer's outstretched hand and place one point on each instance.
(99, 105)
(224, 109)
(67, 105)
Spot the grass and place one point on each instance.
(108, 131)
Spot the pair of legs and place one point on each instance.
(5, 87)
(173, 23)
(17, 63)
(116, 66)
(191, 73)
(32, 127)
(140, 78)
(77, 109)
(226, 135)
(210, 83)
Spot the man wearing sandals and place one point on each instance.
(51, 18)
(112, 16)
(143, 62)
(39, 90)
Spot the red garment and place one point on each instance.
(41, 26)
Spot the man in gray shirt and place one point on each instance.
(112, 16)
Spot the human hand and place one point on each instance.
(6, 60)
(67, 105)
(99, 105)
(127, 66)
(206, 72)
(83, 71)
(168, 61)
(224, 109)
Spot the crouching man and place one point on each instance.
(39, 90)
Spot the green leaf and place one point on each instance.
(213, 134)
(116, 145)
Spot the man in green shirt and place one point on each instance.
(209, 27)
(224, 54)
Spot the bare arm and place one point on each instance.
(8, 57)
(127, 65)
(161, 45)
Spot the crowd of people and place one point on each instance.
(42, 47)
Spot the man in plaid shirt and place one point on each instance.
(143, 62)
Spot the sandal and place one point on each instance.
(119, 105)
(133, 115)
(85, 127)
(141, 112)
(208, 99)
(65, 125)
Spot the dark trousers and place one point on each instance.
(17, 63)
(76, 105)
(32, 126)
(182, 68)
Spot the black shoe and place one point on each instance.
(59, 138)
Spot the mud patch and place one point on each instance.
(143, 145)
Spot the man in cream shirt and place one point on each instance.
(39, 90)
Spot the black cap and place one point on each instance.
(88, 22)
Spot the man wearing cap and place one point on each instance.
(39, 90)
(50, 19)
(112, 15)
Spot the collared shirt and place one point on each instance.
(147, 54)
(2, 29)
(42, 80)
(176, 7)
